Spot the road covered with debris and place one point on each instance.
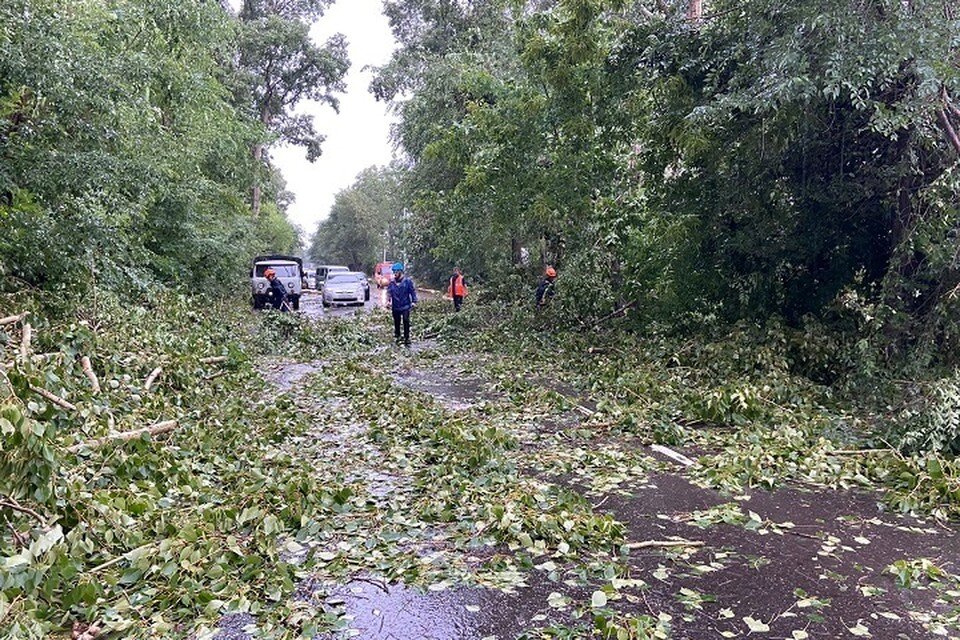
(482, 489)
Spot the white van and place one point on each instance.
(325, 270)
(289, 272)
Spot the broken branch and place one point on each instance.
(54, 398)
(13, 505)
(13, 319)
(25, 341)
(152, 378)
(157, 429)
(91, 374)
(214, 359)
(647, 544)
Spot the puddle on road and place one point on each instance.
(396, 612)
(447, 388)
(285, 375)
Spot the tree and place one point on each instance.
(281, 66)
(365, 222)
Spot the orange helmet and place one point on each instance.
(551, 272)
(269, 273)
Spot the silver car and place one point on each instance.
(344, 288)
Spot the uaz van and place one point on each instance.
(289, 271)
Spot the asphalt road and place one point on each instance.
(311, 304)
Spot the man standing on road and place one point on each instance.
(278, 293)
(457, 289)
(402, 297)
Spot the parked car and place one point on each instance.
(324, 270)
(363, 280)
(383, 274)
(344, 288)
(289, 271)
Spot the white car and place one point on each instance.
(344, 288)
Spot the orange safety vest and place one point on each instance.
(456, 287)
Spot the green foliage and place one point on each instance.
(770, 163)
(124, 159)
(145, 535)
(366, 221)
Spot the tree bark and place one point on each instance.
(157, 429)
(91, 374)
(695, 10)
(949, 130)
(255, 192)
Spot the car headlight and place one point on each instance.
(289, 285)
(260, 286)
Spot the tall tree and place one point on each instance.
(281, 67)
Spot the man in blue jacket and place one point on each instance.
(402, 297)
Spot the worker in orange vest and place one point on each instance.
(457, 288)
(547, 288)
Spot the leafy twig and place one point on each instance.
(10, 503)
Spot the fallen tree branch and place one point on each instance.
(25, 340)
(615, 313)
(860, 452)
(91, 374)
(155, 430)
(13, 505)
(18, 540)
(119, 558)
(54, 398)
(214, 359)
(13, 319)
(152, 378)
(647, 544)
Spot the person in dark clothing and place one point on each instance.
(402, 297)
(547, 288)
(278, 293)
(457, 289)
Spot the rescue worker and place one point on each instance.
(457, 288)
(278, 293)
(547, 288)
(402, 297)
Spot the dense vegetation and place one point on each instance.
(753, 206)
(132, 134)
(710, 167)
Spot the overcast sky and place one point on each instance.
(358, 136)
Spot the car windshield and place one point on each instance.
(342, 278)
(283, 270)
(386, 270)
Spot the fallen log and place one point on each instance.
(91, 374)
(54, 398)
(155, 430)
(647, 544)
(152, 378)
(214, 359)
(13, 319)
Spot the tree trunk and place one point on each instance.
(695, 10)
(255, 195)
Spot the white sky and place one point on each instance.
(358, 136)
